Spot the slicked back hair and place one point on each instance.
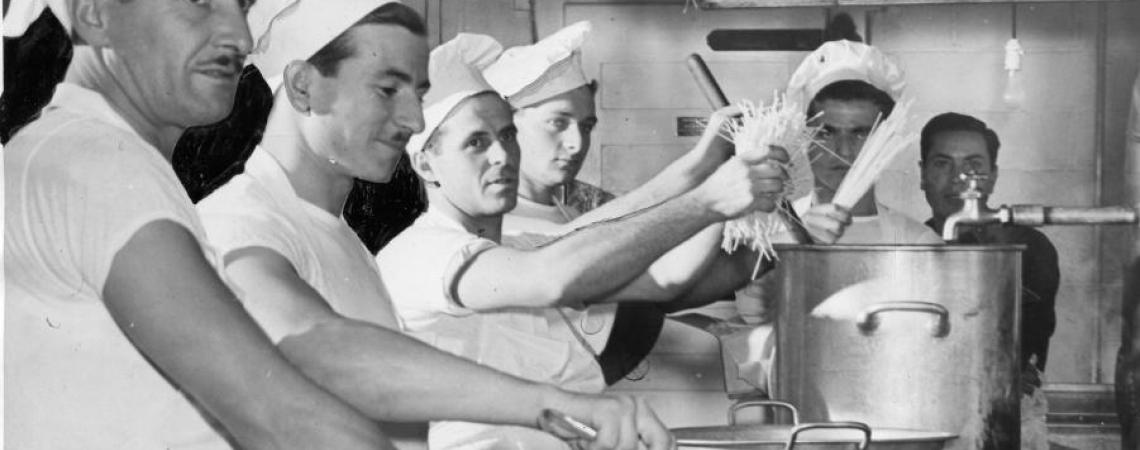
(327, 59)
(852, 90)
(952, 121)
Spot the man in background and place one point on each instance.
(956, 145)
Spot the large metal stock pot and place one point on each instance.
(917, 337)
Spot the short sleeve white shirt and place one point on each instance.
(525, 227)
(259, 208)
(421, 267)
(887, 228)
(79, 183)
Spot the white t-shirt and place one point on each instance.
(887, 228)
(533, 217)
(79, 183)
(528, 219)
(421, 266)
(259, 208)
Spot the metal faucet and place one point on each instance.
(1029, 215)
(971, 212)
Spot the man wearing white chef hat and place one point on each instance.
(457, 287)
(119, 333)
(555, 116)
(846, 86)
(554, 111)
(347, 101)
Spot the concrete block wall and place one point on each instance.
(954, 61)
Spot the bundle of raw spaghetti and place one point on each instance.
(887, 139)
(761, 127)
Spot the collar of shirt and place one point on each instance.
(434, 217)
(73, 97)
(263, 168)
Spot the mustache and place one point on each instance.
(233, 61)
(402, 137)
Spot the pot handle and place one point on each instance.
(732, 410)
(858, 426)
(868, 320)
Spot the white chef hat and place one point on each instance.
(455, 70)
(844, 60)
(531, 73)
(21, 14)
(289, 30)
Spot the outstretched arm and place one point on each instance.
(680, 176)
(161, 291)
(392, 377)
(595, 261)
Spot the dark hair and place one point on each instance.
(952, 121)
(328, 58)
(852, 90)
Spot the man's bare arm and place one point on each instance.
(675, 272)
(393, 377)
(680, 176)
(169, 301)
(596, 261)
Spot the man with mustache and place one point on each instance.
(458, 284)
(348, 77)
(119, 333)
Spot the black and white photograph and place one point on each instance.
(570, 224)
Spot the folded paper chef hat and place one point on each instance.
(289, 30)
(532, 73)
(21, 14)
(844, 60)
(456, 73)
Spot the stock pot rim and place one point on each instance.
(937, 248)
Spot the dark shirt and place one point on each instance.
(1040, 277)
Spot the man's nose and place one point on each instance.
(498, 154)
(231, 29)
(847, 147)
(572, 140)
(410, 114)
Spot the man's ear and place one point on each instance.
(922, 184)
(89, 22)
(422, 166)
(299, 83)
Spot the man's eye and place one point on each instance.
(587, 128)
(508, 136)
(476, 142)
(387, 91)
(558, 124)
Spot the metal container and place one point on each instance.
(807, 436)
(913, 337)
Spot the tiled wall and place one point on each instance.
(953, 57)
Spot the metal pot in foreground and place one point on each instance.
(913, 337)
(806, 436)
